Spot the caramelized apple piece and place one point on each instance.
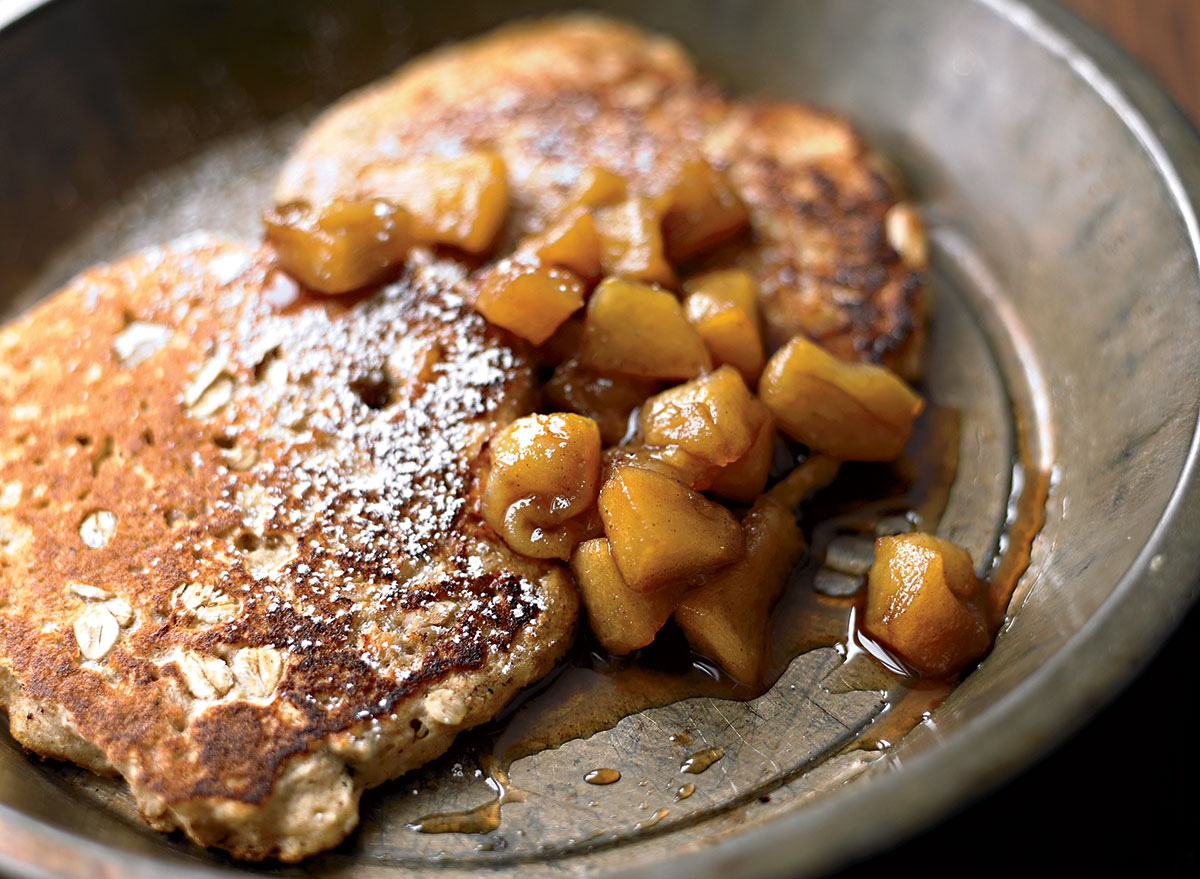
(853, 411)
(662, 531)
(607, 399)
(341, 246)
(461, 201)
(599, 187)
(704, 211)
(726, 287)
(572, 243)
(727, 616)
(743, 480)
(621, 619)
(925, 603)
(639, 330)
(631, 243)
(588, 525)
(544, 477)
(563, 344)
(529, 300)
(723, 307)
(672, 463)
(708, 417)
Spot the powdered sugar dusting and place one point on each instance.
(351, 529)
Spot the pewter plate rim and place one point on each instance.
(1146, 604)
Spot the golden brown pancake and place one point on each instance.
(238, 562)
(555, 97)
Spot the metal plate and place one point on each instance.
(1060, 186)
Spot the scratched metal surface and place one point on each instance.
(1066, 277)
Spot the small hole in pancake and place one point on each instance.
(373, 389)
(84, 440)
(224, 441)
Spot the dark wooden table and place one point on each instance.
(1121, 797)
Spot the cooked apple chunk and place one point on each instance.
(723, 307)
(543, 480)
(572, 243)
(622, 620)
(727, 616)
(635, 329)
(631, 243)
(677, 465)
(709, 417)
(852, 411)
(743, 480)
(460, 201)
(925, 604)
(703, 211)
(609, 400)
(340, 246)
(662, 531)
(529, 300)
(598, 187)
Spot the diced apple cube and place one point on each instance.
(631, 243)
(635, 329)
(727, 616)
(340, 246)
(852, 411)
(704, 211)
(459, 201)
(607, 399)
(572, 243)
(622, 620)
(545, 471)
(529, 300)
(708, 417)
(925, 604)
(662, 531)
(723, 307)
(599, 187)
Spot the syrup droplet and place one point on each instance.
(652, 820)
(685, 791)
(701, 760)
(681, 738)
(602, 776)
(481, 819)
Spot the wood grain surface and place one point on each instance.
(1164, 35)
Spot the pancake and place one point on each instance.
(239, 563)
(556, 97)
